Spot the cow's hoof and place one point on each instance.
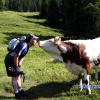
(81, 90)
(88, 92)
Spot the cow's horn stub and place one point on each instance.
(57, 38)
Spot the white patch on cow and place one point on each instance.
(81, 86)
(63, 49)
(51, 49)
(92, 49)
(88, 86)
(74, 68)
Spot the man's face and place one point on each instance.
(33, 42)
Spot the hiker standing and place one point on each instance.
(13, 61)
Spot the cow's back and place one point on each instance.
(92, 47)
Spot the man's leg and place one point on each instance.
(19, 82)
(15, 84)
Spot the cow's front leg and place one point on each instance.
(81, 86)
(80, 82)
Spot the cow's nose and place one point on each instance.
(40, 43)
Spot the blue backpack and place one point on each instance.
(14, 42)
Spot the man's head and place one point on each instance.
(31, 39)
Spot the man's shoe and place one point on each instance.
(22, 93)
(17, 95)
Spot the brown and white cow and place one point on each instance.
(76, 54)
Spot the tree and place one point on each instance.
(23, 5)
(53, 14)
(44, 8)
(1, 5)
(6, 3)
(80, 17)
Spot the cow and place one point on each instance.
(92, 50)
(77, 55)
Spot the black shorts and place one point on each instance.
(10, 67)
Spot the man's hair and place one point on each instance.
(28, 38)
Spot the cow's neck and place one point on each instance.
(72, 53)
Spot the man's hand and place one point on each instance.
(18, 69)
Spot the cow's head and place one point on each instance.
(57, 40)
(50, 46)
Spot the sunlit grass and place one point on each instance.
(49, 80)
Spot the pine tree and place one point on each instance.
(80, 17)
(44, 8)
(53, 13)
(1, 5)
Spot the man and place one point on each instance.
(13, 62)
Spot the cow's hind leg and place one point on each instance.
(96, 73)
(87, 79)
(88, 85)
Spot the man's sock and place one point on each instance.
(20, 89)
(16, 91)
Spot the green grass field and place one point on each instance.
(45, 80)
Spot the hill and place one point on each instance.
(45, 80)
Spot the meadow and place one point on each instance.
(45, 79)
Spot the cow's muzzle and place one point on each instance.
(40, 43)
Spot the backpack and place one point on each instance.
(14, 42)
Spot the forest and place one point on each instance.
(78, 18)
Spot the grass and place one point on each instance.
(45, 80)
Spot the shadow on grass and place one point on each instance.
(6, 98)
(48, 90)
(44, 37)
(57, 27)
(93, 76)
(32, 16)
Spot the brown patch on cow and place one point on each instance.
(88, 68)
(86, 64)
(75, 53)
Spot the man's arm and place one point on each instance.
(16, 62)
(20, 62)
